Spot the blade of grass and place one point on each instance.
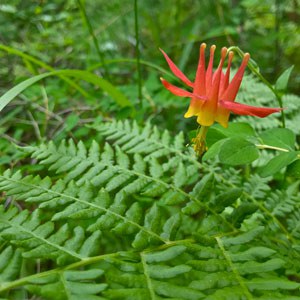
(188, 47)
(132, 61)
(137, 52)
(40, 63)
(91, 31)
(119, 97)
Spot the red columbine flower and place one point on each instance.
(213, 95)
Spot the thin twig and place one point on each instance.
(91, 31)
(137, 50)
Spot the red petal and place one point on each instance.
(214, 91)
(247, 110)
(233, 87)
(209, 71)
(200, 85)
(225, 81)
(176, 71)
(178, 91)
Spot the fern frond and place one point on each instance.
(190, 271)
(69, 285)
(257, 187)
(281, 204)
(148, 140)
(78, 200)
(256, 93)
(124, 174)
(120, 221)
(108, 168)
(10, 263)
(41, 240)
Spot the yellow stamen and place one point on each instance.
(199, 142)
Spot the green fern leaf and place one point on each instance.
(10, 264)
(70, 285)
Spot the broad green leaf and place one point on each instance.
(282, 81)
(294, 169)
(214, 150)
(239, 129)
(277, 163)
(279, 137)
(238, 151)
(80, 74)
(214, 135)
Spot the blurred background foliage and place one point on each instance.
(58, 33)
(55, 32)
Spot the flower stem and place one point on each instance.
(255, 70)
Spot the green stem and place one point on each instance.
(91, 31)
(25, 280)
(138, 54)
(259, 146)
(255, 70)
(10, 285)
(278, 50)
(234, 269)
(247, 171)
(270, 86)
(148, 278)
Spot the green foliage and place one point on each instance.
(110, 89)
(239, 143)
(140, 218)
(238, 151)
(98, 203)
